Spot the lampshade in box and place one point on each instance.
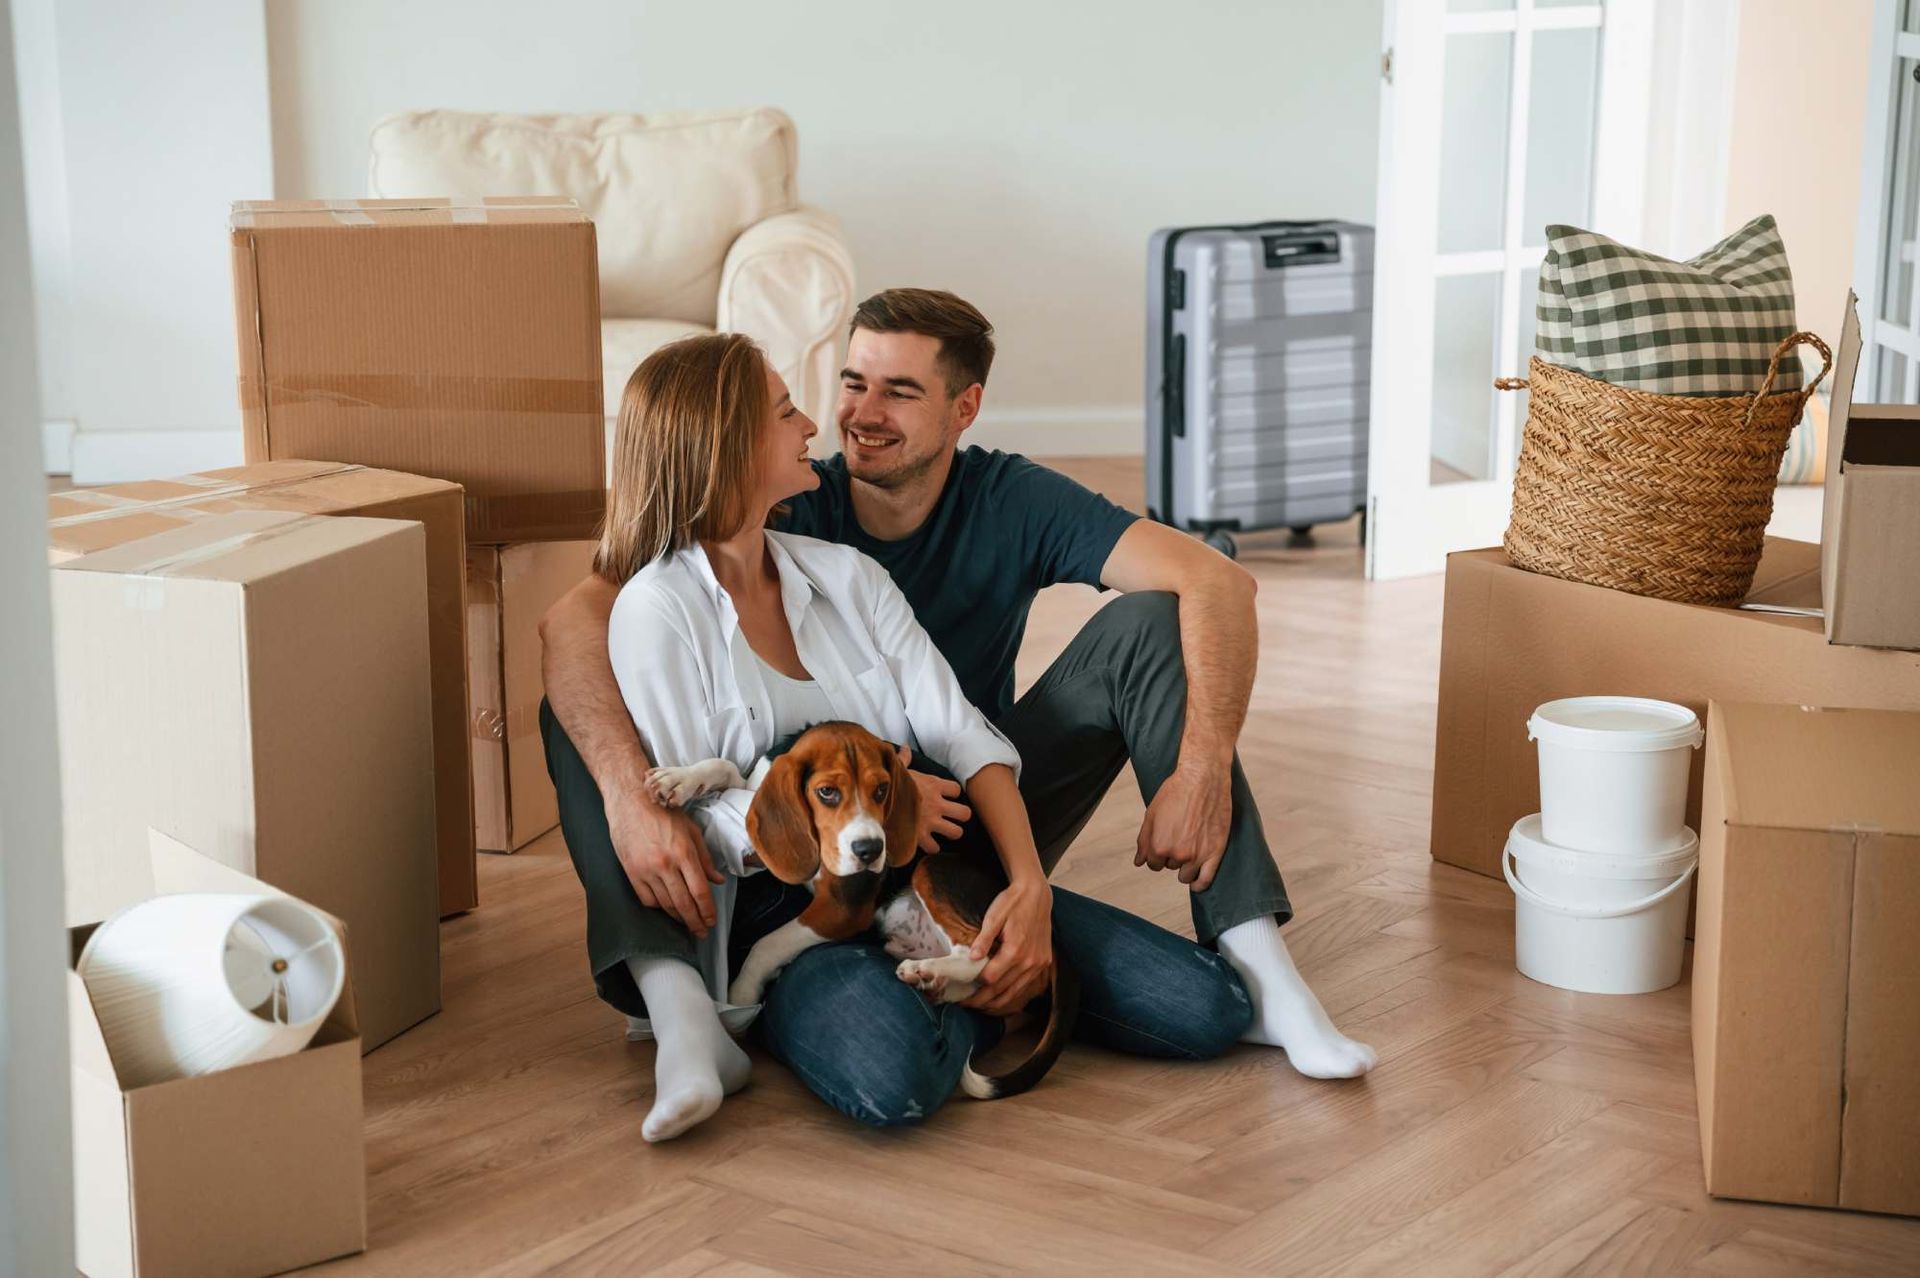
(189, 984)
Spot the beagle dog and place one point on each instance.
(838, 810)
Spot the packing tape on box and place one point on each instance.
(565, 516)
(146, 585)
(466, 393)
(248, 214)
(118, 506)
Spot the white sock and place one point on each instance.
(697, 1063)
(1285, 1012)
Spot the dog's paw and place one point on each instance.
(745, 991)
(675, 787)
(923, 976)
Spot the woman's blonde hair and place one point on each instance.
(683, 452)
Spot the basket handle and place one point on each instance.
(1509, 383)
(1773, 370)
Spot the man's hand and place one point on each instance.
(941, 811)
(1018, 932)
(1186, 824)
(665, 859)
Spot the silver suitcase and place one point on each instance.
(1258, 341)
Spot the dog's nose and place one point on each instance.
(867, 851)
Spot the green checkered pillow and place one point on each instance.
(1707, 326)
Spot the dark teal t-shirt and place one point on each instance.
(1004, 527)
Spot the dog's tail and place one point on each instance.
(1063, 1011)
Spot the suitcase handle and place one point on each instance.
(1300, 249)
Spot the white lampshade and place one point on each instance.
(188, 984)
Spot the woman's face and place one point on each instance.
(784, 467)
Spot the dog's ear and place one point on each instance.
(903, 811)
(780, 822)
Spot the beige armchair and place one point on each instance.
(698, 217)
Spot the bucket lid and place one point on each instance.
(1530, 847)
(1615, 723)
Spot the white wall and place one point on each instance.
(1794, 149)
(36, 1174)
(1017, 153)
(142, 122)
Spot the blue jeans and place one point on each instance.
(876, 1050)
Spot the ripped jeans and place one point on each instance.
(875, 1049)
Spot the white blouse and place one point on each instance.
(696, 690)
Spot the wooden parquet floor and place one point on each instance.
(1509, 1129)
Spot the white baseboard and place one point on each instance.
(56, 446)
(122, 456)
(1095, 430)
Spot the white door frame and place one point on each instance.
(1414, 523)
(1892, 54)
(36, 1164)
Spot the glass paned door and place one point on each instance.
(1886, 271)
(1492, 128)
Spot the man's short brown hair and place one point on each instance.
(965, 337)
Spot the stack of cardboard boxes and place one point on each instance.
(1797, 916)
(270, 665)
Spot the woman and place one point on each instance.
(726, 636)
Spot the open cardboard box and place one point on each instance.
(239, 1173)
(1870, 517)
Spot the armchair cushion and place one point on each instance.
(668, 192)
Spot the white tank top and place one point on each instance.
(798, 704)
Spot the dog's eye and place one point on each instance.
(880, 792)
(828, 795)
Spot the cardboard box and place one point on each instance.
(1870, 517)
(509, 588)
(255, 685)
(1806, 980)
(84, 520)
(235, 1174)
(461, 342)
(1513, 639)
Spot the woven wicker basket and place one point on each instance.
(1662, 495)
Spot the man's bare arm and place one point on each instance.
(661, 849)
(1187, 822)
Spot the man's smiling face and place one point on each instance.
(896, 415)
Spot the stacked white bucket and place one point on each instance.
(1600, 873)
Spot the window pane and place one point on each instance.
(1912, 24)
(1473, 140)
(1523, 351)
(1562, 108)
(1477, 6)
(1896, 301)
(1466, 322)
(1891, 385)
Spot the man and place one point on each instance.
(1160, 677)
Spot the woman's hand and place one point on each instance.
(666, 860)
(1018, 933)
(941, 811)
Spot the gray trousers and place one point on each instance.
(1117, 694)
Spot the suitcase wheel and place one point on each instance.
(1223, 543)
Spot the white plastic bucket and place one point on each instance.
(1613, 772)
(1594, 922)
